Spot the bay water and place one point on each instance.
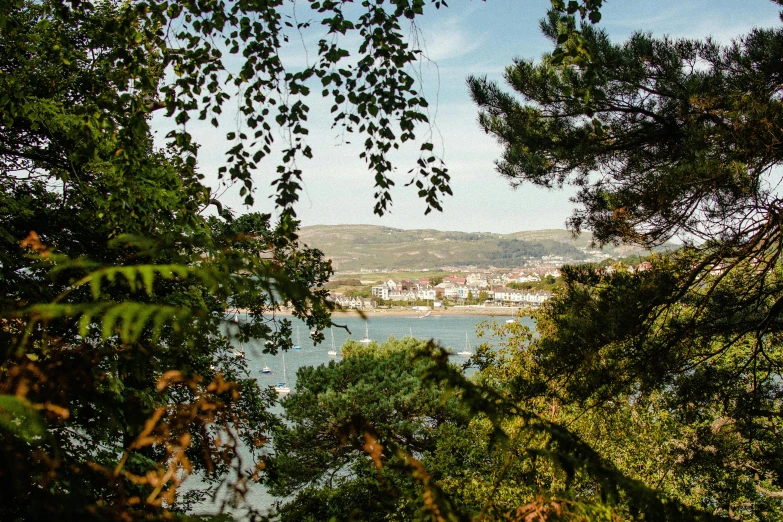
(449, 331)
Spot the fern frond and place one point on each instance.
(127, 319)
(135, 276)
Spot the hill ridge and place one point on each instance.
(356, 247)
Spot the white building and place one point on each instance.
(427, 294)
(381, 292)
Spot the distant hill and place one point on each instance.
(355, 247)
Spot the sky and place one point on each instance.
(468, 38)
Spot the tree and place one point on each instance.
(525, 454)
(381, 435)
(652, 86)
(685, 136)
(354, 430)
(118, 377)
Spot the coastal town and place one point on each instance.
(481, 288)
(527, 289)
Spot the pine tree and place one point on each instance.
(666, 138)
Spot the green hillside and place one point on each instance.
(355, 247)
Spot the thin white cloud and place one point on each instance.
(448, 39)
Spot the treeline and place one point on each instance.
(513, 252)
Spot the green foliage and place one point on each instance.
(353, 429)
(513, 252)
(364, 292)
(658, 128)
(361, 433)
(671, 374)
(549, 283)
(118, 377)
(688, 360)
(336, 283)
(19, 418)
(525, 451)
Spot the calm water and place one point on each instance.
(449, 331)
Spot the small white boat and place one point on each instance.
(466, 351)
(333, 351)
(366, 339)
(511, 321)
(282, 387)
(429, 313)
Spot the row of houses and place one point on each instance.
(421, 291)
(405, 290)
(528, 276)
(353, 303)
(641, 267)
(477, 285)
(519, 297)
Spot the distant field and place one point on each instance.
(355, 247)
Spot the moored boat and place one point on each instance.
(333, 351)
(282, 387)
(366, 339)
(241, 351)
(466, 352)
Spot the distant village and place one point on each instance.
(491, 288)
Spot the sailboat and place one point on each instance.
(297, 346)
(282, 387)
(241, 351)
(266, 368)
(366, 339)
(466, 351)
(333, 351)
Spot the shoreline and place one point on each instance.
(494, 311)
